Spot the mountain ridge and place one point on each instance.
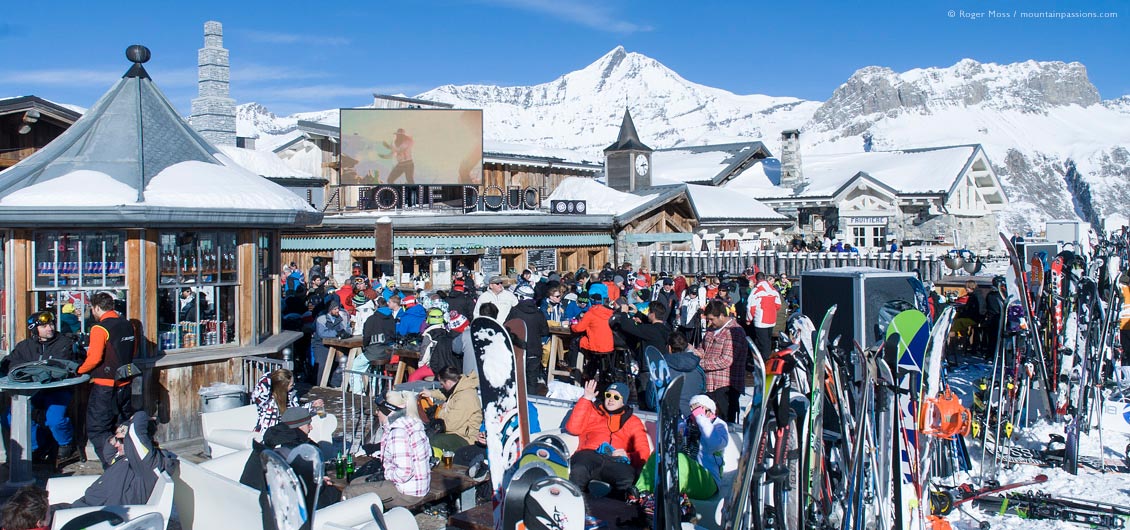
(1043, 124)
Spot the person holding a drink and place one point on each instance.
(458, 414)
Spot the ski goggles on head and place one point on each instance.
(614, 396)
(40, 319)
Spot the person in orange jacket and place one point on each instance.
(613, 444)
(594, 324)
(112, 345)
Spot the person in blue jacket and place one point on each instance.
(411, 321)
(557, 306)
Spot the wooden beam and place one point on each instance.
(249, 285)
(21, 301)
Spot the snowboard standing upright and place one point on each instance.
(667, 495)
(503, 401)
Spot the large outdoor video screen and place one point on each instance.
(411, 146)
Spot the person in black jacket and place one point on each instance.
(381, 323)
(996, 305)
(459, 300)
(537, 331)
(292, 431)
(669, 300)
(652, 332)
(135, 464)
(45, 343)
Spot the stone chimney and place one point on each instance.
(791, 175)
(213, 112)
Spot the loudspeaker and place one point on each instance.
(567, 206)
(859, 294)
(382, 234)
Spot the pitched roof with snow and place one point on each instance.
(600, 199)
(131, 159)
(266, 164)
(67, 113)
(927, 170)
(709, 203)
(714, 204)
(706, 164)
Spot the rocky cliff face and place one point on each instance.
(875, 92)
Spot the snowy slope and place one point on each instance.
(1060, 150)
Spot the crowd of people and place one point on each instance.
(699, 323)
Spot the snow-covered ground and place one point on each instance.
(1089, 484)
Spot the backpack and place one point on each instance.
(442, 354)
(120, 347)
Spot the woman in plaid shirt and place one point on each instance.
(273, 394)
(405, 452)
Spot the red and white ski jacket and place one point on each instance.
(764, 302)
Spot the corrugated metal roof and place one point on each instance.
(423, 242)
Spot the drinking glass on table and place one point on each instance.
(448, 459)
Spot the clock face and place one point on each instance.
(641, 165)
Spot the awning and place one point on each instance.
(453, 242)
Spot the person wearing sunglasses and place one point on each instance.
(44, 342)
(613, 443)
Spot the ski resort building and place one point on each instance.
(132, 201)
(936, 195)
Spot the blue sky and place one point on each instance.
(294, 56)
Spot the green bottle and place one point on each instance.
(340, 461)
(349, 466)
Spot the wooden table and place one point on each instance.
(481, 517)
(454, 483)
(558, 335)
(350, 347)
(402, 366)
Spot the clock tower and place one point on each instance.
(627, 163)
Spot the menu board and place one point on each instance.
(541, 259)
(492, 262)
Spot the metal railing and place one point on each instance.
(255, 366)
(928, 264)
(356, 407)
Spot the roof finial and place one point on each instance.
(138, 55)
